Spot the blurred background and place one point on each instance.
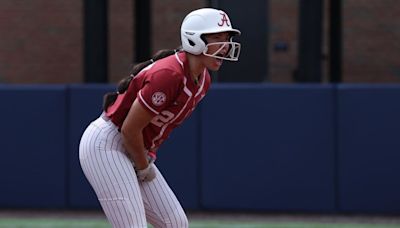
(306, 121)
(284, 41)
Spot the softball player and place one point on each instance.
(117, 151)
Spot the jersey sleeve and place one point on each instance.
(159, 90)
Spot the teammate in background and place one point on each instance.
(117, 151)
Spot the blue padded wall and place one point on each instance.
(369, 146)
(85, 105)
(178, 160)
(249, 146)
(268, 148)
(33, 145)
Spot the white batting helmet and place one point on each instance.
(207, 21)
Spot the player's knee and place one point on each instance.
(184, 223)
(176, 220)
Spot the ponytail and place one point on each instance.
(109, 98)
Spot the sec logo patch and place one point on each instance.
(158, 98)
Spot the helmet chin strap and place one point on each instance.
(231, 55)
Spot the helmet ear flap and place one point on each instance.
(192, 43)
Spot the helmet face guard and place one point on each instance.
(232, 54)
(207, 21)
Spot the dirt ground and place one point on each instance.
(220, 216)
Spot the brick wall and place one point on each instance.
(120, 38)
(371, 35)
(283, 21)
(371, 31)
(41, 41)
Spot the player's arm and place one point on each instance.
(137, 119)
(143, 110)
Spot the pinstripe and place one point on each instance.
(94, 177)
(161, 199)
(123, 181)
(161, 190)
(136, 198)
(83, 149)
(111, 174)
(154, 219)
(119, 180)
(129, 206)
(105, 188)
(162, 207)
(125, 201)
(153, 205)
(169, 201)
(117, 188)
(91, 148)
(105, 178)
(129, 179)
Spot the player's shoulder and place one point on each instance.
(169, 63)
(168, 67)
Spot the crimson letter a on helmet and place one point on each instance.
(224, 20)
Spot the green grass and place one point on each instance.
(53, 223)
(216, 224)
(101, 223)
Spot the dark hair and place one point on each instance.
(109, 98)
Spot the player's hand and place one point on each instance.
(146, 174)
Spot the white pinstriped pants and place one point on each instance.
(126, 202)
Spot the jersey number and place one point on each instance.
(162, 118)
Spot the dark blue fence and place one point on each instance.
(268, 148)
(368, 148)
(320, 148)
(33, 167)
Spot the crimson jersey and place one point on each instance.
(165, 89)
